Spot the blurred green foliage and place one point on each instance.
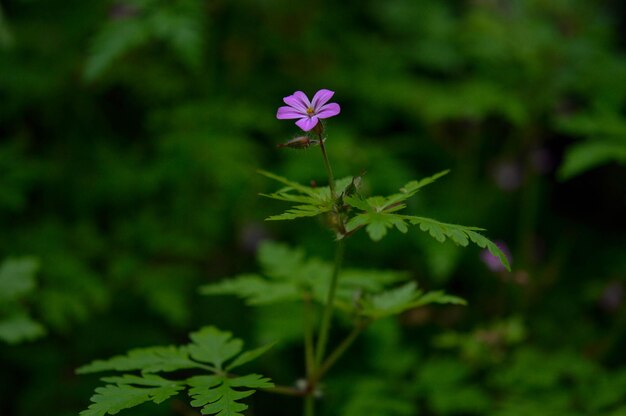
(130, 132)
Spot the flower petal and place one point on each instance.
(328, 110)
(320, 98)
(307, 123)
(286, 112)
(298, 100)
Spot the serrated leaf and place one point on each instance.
(460, 234)
(484, 242)
(300, 211)
(148, 360)
(212, 346)
(217, 395)
(307, 190)
(315, 201)
(111, 399)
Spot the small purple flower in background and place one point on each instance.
(308, 112)
(491, 261)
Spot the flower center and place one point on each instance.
(310, 111)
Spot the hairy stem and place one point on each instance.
(327, 315)
(329, 170)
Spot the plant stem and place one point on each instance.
(309, 352)
(309, 405)
(337, 353)
(285, 390)
(327, 315)
(329, 170)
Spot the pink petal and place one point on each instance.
(329, 110)
(298, 100)
(321, 97)
(285, 113)
(306, 123)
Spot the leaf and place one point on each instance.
(299, 212)
(279, 260)
(590, 154)
(400, 299)
(148, 360)
(393, 202)
(217, 395)
(113, 398)
(460, 234)
(254, 289)
(315, 201)
(210, 345)
(248, 356)
(20, 327)
(114, 40)
(17, 277)
(307, 190)
(289, 276)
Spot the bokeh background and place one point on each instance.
(130, 133)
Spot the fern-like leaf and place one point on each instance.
(131, 391)
(148, 360)
(210, 350)
(217, 395)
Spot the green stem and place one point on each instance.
(309, 405)
(329, 170)
(309, 352)
(337, 353)
(327, 315)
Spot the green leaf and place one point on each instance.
(248, 356)
(113, 398)
(17, 277)
(411, 188)
(306, 190)
(377, 227)
(460, 234)
(210, 345)
(114, 41)
(299, 212)
(279, 260)
(20, 327)
(148, 360)
(484, 242)
(254, 289)
(217, 394)
(400, 299)
(393, 202)
(315, 201)
(590, 154)
(289, 276)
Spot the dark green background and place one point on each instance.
(130, 133)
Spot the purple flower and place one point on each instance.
(308, 112)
